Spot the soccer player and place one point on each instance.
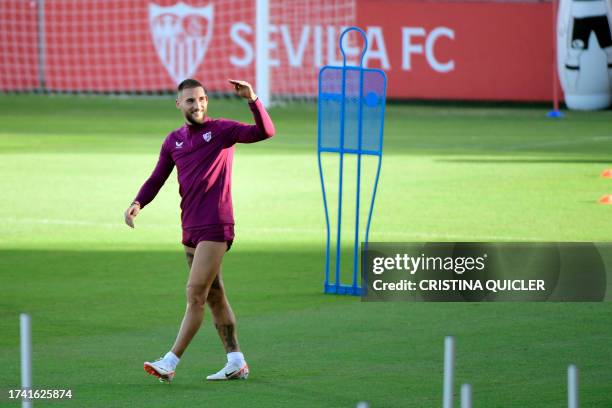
(202, 151)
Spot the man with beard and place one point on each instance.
(202, 151)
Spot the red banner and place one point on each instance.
(429, 50)
(454, 50)
(142, 46)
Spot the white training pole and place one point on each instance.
(26, 355)
(572, 386)
(363, 404)
(262, 51)
(466, 396)
(449, 366)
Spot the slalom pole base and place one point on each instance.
(332, 289)
(555, 114)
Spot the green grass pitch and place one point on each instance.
(104, 298)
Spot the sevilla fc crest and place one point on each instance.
(181, 34)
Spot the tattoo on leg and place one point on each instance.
(227, 332)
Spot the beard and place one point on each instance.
(192, 119)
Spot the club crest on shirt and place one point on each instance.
(207, 136)
(179, 145)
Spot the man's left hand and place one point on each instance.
(243, 89)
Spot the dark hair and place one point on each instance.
(190, 83)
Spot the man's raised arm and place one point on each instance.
(263, 129)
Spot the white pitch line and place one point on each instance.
(549, 143)
(374, 236)
(558, 143)
(46, 221)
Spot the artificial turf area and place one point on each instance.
(104, 298)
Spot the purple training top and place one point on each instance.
(203, 156)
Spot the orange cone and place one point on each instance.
(607, 199)
(607, 173)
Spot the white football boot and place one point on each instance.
(160, 369)
(231, 371)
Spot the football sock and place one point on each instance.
(171, 359)
(236, 357)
